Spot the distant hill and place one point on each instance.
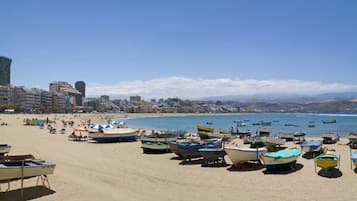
(293, 98)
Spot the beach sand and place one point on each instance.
(120, 171)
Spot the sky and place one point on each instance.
(186, 48)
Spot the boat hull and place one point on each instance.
(271, 163)
(4, 149)
(148, 146)
(32, 168)
(114, 135)
(241, 155)
(327, 161)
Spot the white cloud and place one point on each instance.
(199, 88)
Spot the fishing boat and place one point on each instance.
(299, 137)
(4, 149)
(265, 123)
(272, 141)
(311, 125)
(14, 169)
(157, 142)
(329, 121)
(263, 132)
(189, 150)
(239, 155)
(213, 155)
(329, 138)
(327, 160)
(352, 137)
(204, 128)
(311, 146)
(354, 158)
(282, 158)
(114, 135)
(292, 125)
(286, 136)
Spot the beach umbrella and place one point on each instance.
(98, 126)
(108, 126)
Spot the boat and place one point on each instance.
(311, 146)
(329, 138)
(327, 160)
(265, 123)
(311, 125)
(293, 125)
(189, 150)
(240, 155)
(157, 142)
(204, 128)
(282, 158)
(263, 132)
(352, 137)
(286, 136)
(114, 135)
(329, 121)
(4, 149)
(272, 141)
(14, 169)
(213, 155)
(299, 137)
(354, 158)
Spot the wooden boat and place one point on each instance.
(354, 158)
(286, 136)
(114, 135)
(263, 132)
(16, 169)
(150, 146)
(282, 158)
(299, 137)
(240, 155)
(329, 121)
(16, 158)
(311, 146)
(213, 155)
(190, 150)
(311, 125)
(4, 149)
(292, 125)
(352, 137)
(209, 135)
(272, 141)
(204, 128)
(329, 138)
(265, 123)
(157, 142)
(327, 160)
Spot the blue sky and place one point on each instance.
(183, 48)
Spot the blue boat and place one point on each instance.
(190, 150)
(354, 158)
(311, 146)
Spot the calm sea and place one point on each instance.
(345, 123)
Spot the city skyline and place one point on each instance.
(183, 49)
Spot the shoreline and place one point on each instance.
(120, 171)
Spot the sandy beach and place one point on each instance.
(120, 171)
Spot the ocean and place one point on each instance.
(286, 123)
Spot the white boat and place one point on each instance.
(244, 154)
(15, 170)
(4, 149)
(273, 160)
(114, 135)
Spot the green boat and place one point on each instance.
(151, 146)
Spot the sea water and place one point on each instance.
(285, 123)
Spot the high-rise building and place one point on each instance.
(81, 87)
(5, 64)
(67, 90)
